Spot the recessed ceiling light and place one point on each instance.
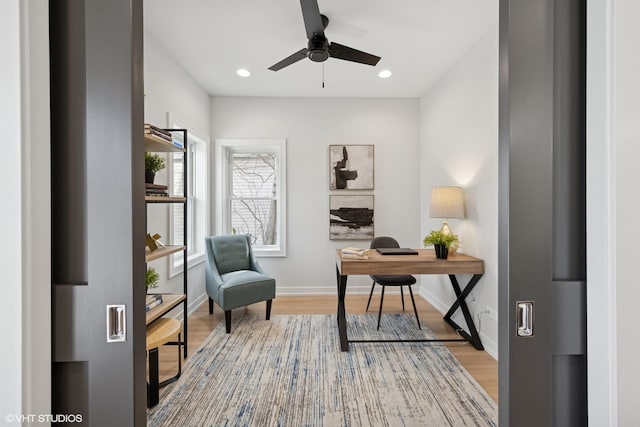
(384, 74)
(242, 72)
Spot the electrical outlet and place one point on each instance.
(493, 313)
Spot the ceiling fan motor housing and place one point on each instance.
(318, 48)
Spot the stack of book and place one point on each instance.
(355, 253)
(156, 190)
(160, 133)
(153, 300)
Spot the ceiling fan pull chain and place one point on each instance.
(323, 75)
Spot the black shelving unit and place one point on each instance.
(155, 144)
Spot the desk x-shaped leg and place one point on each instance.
(342, 321)
(460, 302)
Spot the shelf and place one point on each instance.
(169, 302)
(164, 199)
(162, 252)
(153, 143)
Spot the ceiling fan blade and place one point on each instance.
(312, 19)
(292, 59)
(350, 54)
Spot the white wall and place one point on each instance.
(627, 206)
(601, 208)
(310, 125)
(459, 146)
(11, 224)
(25, 369)
(168, 88)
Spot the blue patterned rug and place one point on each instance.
(289, 371)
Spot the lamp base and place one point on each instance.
(453, 248)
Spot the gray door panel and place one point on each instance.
(97, 209)
(542, 211)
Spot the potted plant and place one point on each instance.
(152, 164)
(152, 278)
(441, 242)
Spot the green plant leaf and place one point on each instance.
(153, 163)
(152, 278)
(437, 237)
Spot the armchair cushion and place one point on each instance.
(244, 287)
(231, 253)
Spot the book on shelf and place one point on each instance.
(155, 186)
(159, 135)
(177, 143)
(153, 297)
(355, 253)
(149, 128)
(156, 190)
(157, 193)
(153, 301)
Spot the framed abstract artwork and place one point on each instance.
(351, 217)
(351, 167)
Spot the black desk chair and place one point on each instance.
(391, 280)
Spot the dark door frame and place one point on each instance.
(601, 315)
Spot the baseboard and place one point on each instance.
(490, 345)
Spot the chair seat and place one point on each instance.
(244, 287)
(394, 280)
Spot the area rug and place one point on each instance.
(289, 371)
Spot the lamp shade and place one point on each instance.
(447, 202)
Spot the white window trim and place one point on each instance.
(222, 147)
(195, 255)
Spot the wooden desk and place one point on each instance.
(423, 263)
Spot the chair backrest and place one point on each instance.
(384, 242)
(231, 253)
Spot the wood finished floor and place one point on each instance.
(479, 364)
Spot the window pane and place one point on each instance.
(258, 218)
(177, 188)
(254, 175)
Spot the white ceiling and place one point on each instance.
(417, 40)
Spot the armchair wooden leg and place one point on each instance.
(227, 320)
(269, 309)
(210, 306)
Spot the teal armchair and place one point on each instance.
(233, 276)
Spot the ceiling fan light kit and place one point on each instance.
(318, 47)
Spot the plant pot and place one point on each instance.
(149, 177)
(441, 251)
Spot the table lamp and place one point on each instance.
(447, 202)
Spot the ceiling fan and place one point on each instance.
(318, 47)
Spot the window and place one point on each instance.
(251, 192)
(197, 211)
(177, 181)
